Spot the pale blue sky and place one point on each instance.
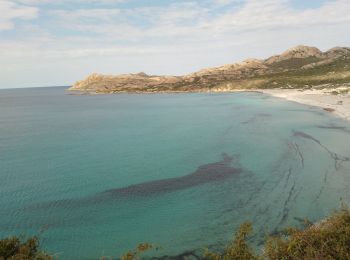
(56, 42)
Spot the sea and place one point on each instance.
(96, 175)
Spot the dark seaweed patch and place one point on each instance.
(338, 159)
(256, 118)
(334, 127)
(204, 174)
(194, 254)
(296, 148)
(285, 210)
(207, 173)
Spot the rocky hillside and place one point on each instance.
(298, 67)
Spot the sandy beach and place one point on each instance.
(338, 104)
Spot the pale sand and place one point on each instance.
(321, 98)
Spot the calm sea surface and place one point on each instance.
(96, 175)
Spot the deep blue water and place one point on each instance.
(95, 175)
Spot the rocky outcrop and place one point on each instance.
(125, 82)
(251, 73)
(298, 52)
(337, 52)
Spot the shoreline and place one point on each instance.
(337, 104)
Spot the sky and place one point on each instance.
(57, 42)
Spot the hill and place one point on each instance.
(298, 67)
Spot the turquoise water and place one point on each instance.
(95, 175)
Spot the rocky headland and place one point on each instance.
(302, 74)
(301, 67)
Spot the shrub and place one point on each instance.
(135, 254)
(13, 248)
(328, 239)
(238, 249)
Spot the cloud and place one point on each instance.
(60, 2)
(278, 14)
(192, 19)
(174, 38)
(11, 11)
(182, 22)
(226, 2)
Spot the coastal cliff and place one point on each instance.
(298, 67)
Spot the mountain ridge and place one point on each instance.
(298, 67)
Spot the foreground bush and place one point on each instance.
(238, 249)
(137, 252)
(329, 239)
(13, 248)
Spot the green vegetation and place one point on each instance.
(325, 76)
(284, 74)
(288, 74)
(300, 68)
(238, 249)
(13, 248)
(294, 63)
(328, 239)
(135, 254)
